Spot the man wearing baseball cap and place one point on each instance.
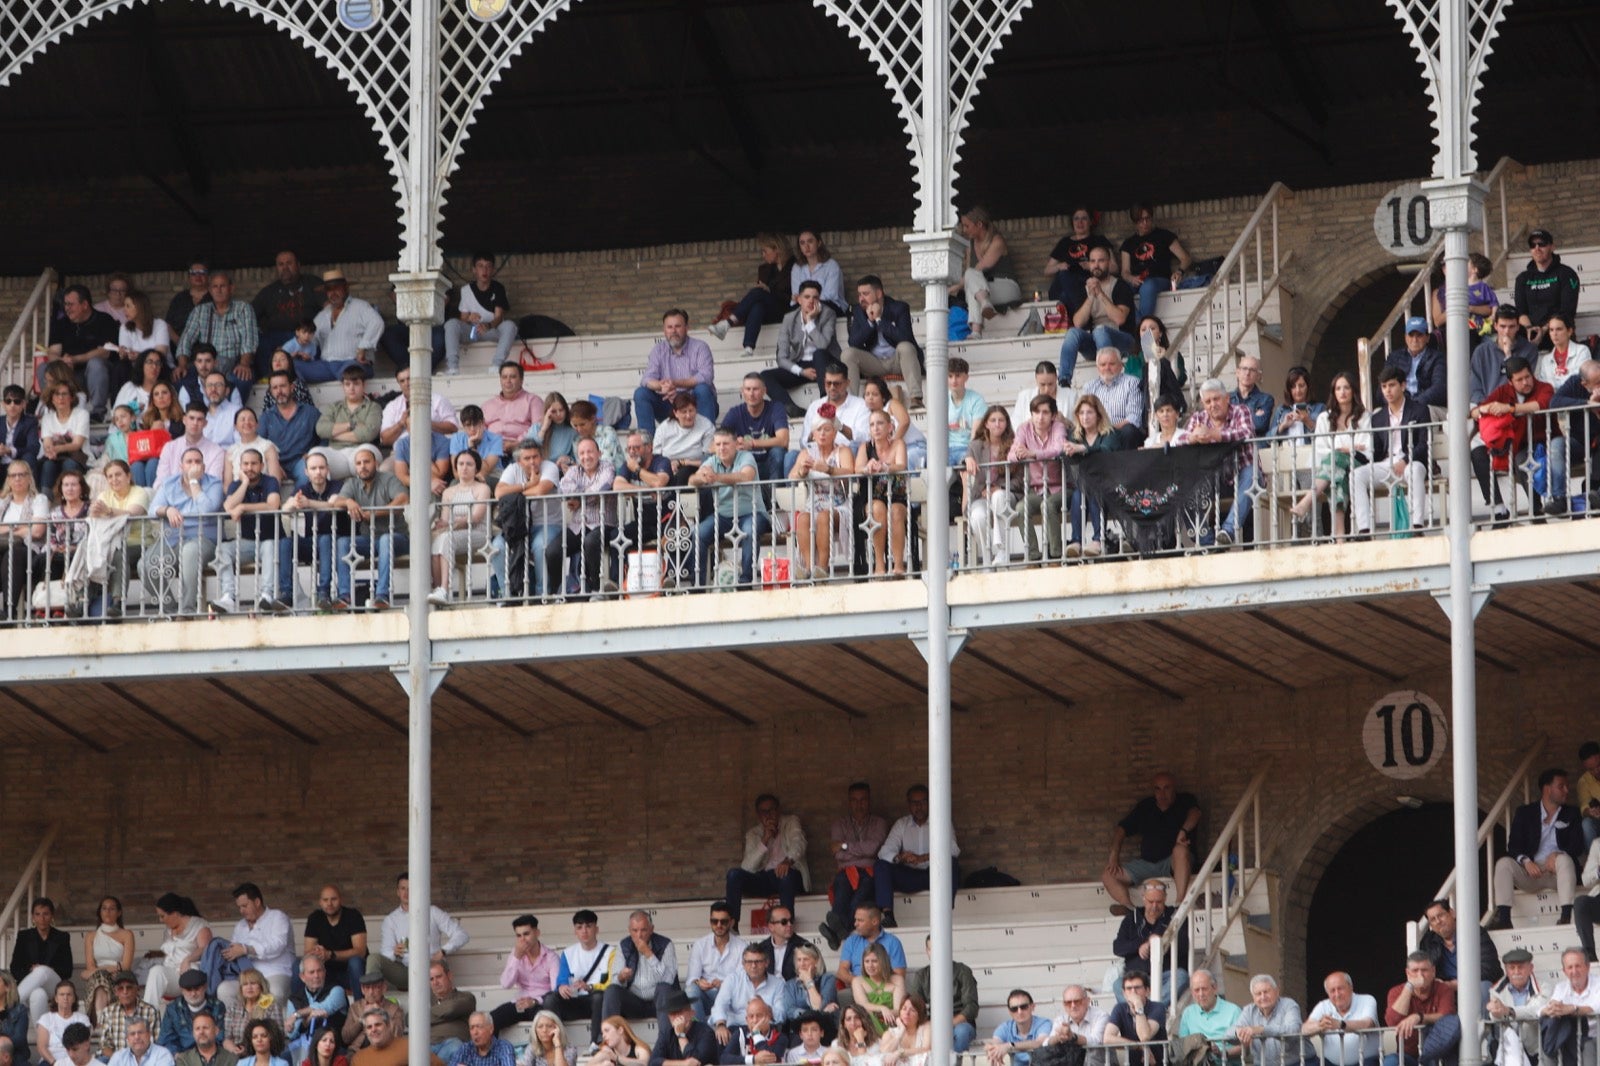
(1545, 287)
(1423, 366)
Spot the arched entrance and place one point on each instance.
(1382, 877)
(1351, 316)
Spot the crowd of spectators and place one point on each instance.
(161, 388)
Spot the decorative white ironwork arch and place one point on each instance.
(890, 32)
(1454, 106)
(372, 64)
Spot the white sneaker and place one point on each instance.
(749, 352)
(1091, 548)
(719, 330)
(451, 371)
(439, 598)
(225, 605)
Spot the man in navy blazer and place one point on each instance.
(881, 340)
(1399, 456)
(19, 432)
(1423, 366)
(1543, 850)
(684, 1038)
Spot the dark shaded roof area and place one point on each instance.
(179, 128)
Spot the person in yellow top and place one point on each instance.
(1589, 792)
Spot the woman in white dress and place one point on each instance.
(909, 1042)
(106, 950)
(825, 466)
(187, 937)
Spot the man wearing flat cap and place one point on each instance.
(348, 329)
(1514, 1005)
(127, 1009)
(177, 1024)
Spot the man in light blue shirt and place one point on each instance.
(187, 506)
(1020, 1033)
(739, 508)
(966, 410)
(737, 991)
(141, 1050)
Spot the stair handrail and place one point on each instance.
(1258, 232)
(19, 906)
(1499, 813)
(30, 332)
(1200, 888)
(1422, 284)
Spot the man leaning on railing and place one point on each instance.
(187, 505)
(1269, 1028)
(1422, 1001)
(1209, 1021)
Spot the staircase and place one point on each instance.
(30, 335)
(17, 913)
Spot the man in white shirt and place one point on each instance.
(348, 330)
(1567, 1028)
(444, 936)
(585, 972)
(851, 411)
(1080, 1022)
(1339, 1018)
(1045, 383)
(262, 940)
(903, 860)
(713, 959)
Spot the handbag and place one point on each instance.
(147, 444)
(1400, 510)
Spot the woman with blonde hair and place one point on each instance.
(620, 1044)
(768, 300)
(990, 278)
(825, 466)
(549, 1045)
(255, 1004)
(13, 1012)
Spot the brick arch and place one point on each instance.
(1336, 807)
(1336, 304)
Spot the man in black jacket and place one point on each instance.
(647, 978)
(1132, 944)
(1545, 286)
(1399, 456)
(1421, 361)
(684, 1038)
(1543, 850)
(882, 341)
(1440, 943)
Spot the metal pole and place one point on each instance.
(1456, 205)
(420, 299)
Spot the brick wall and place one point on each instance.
(593, 814)
(627, 289)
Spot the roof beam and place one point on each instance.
(1097, 656)
(795, 683)
(360, 704)
(1414, 626)
(1017, 675)
(155, 715)
(1540, 623)
(1294, 633)
(581, 698)
(39, 712)
(251, 705)
(916, 685)
(1183, 637)
(484, 709)
(698, 693)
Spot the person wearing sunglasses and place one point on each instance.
(1545, 286)
(19, 431)
(1018, 1034)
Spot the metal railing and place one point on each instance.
(1384, 339)
(1499, 814)
(1232, 303)
(1213, 893)
(1307, 1045)
(30, 335)
(1100, 509)
(32, 883)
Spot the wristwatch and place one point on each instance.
(1341, 1025)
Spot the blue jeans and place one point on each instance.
(962, 1035)
(385, 545)
(315, 549)
(50, 470)
(713, 529)
(1591, 829)
(754, 310)
(446, 1049)
(1242, 501)
(532, 581)
(319, 370)
(1084, 343)
(1080, 502)
(649, 408)
(1149, 289)
(144, 472)
(772, 464)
